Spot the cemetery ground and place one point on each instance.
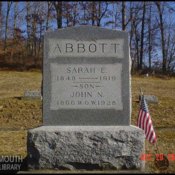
(17, 115)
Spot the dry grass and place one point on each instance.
(13, 84)
(20, 114)
(166, 145)
(13, 143)
(162, 113)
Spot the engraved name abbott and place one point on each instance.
(98, 48)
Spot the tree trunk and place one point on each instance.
(149, 38)
(58, 8)
(136, 43)
(74, 14)
(1, 17)
(132, 27)
(28, 27)
(9, 3)
(34, 29)
(15, 14)
(99, 14)
(59, 17)
(93, 13)
(137, 53)
(142, 36)
(162, 36)
(123, 15)
(48, 14)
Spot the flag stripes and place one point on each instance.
(144, 122)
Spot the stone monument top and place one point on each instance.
(86, 77)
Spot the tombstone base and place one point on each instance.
(85, 147)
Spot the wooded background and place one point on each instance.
(151, 28)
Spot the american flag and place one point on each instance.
(144, 122)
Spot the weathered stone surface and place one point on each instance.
(85, 147)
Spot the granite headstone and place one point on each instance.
(86, 103)
(86, 77)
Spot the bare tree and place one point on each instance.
(102, 10)
(15, 14)
(35, 27)
(170, 42)
(142, 35)
(1, 17)
(159, 6)
(123, 15)
(75, 13)
(28, 26)
(84, 14)
(49, 6)
(93, 10)
(135, 37)
(149, 36)
(70, 13)
(9, 4)
(58, 8)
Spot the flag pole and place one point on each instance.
(159, 163)
(141, 92)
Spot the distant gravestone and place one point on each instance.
(150, 99)
(86, 103)
(28, 94)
